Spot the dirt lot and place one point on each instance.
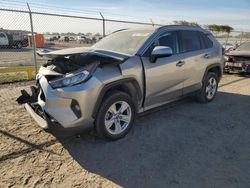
(185, 144)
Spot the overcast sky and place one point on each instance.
(233, 13)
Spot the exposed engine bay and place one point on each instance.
(66, 69)
(87, 61)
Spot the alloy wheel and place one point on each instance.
(118, 117)
(211, 88)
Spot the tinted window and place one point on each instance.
(166, 39)
(205, 41)
(190, 41)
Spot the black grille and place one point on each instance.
(42, 96)
(39, 89)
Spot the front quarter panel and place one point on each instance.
(131, 69)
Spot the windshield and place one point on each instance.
(244, 47)
(126, 42)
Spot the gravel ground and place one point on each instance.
(185, 144)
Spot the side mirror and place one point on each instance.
(160, 51)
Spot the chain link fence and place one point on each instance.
(22, 32)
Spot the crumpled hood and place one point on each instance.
(238, 53)
(62, 62)
(80, 50)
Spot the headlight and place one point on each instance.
(70, 80)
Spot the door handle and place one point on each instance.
(180, 63)
(207, 56)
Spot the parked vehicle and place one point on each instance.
(89, 39)
(49, 38)
(63, 39)
(229, 46)
(13, 39)
(81, 39)
(126, 73)
(238, 60)
(71, 38)
(96, 38)
(52, 38)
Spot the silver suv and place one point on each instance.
(127, 72)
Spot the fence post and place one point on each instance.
(241, 36)
(152, 22)
(33, 38)
(103, 25)
(226, 40)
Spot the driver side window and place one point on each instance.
(165, 39)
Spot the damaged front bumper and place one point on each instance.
(40, 121)
(49, 124)
(62, 109)
(32, 107)
(237, 66)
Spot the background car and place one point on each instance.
(238, 60)
(63, 39)
(81, 39)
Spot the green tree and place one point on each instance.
(226, 28)
(183, 22)
(55, 33)
(220, 28)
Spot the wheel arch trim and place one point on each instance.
(130, 83)
(215, 65)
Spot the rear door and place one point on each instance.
(197, 53)
(164, 78)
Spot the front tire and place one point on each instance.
(209, 88)
(115, 117)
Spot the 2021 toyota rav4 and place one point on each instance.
(127, 72)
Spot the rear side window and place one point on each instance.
(205, 41)
(190, 41)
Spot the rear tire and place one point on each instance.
(115, 117)
(209, 88)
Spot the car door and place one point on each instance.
(196, 56)
(3, 39)
(163, 78)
